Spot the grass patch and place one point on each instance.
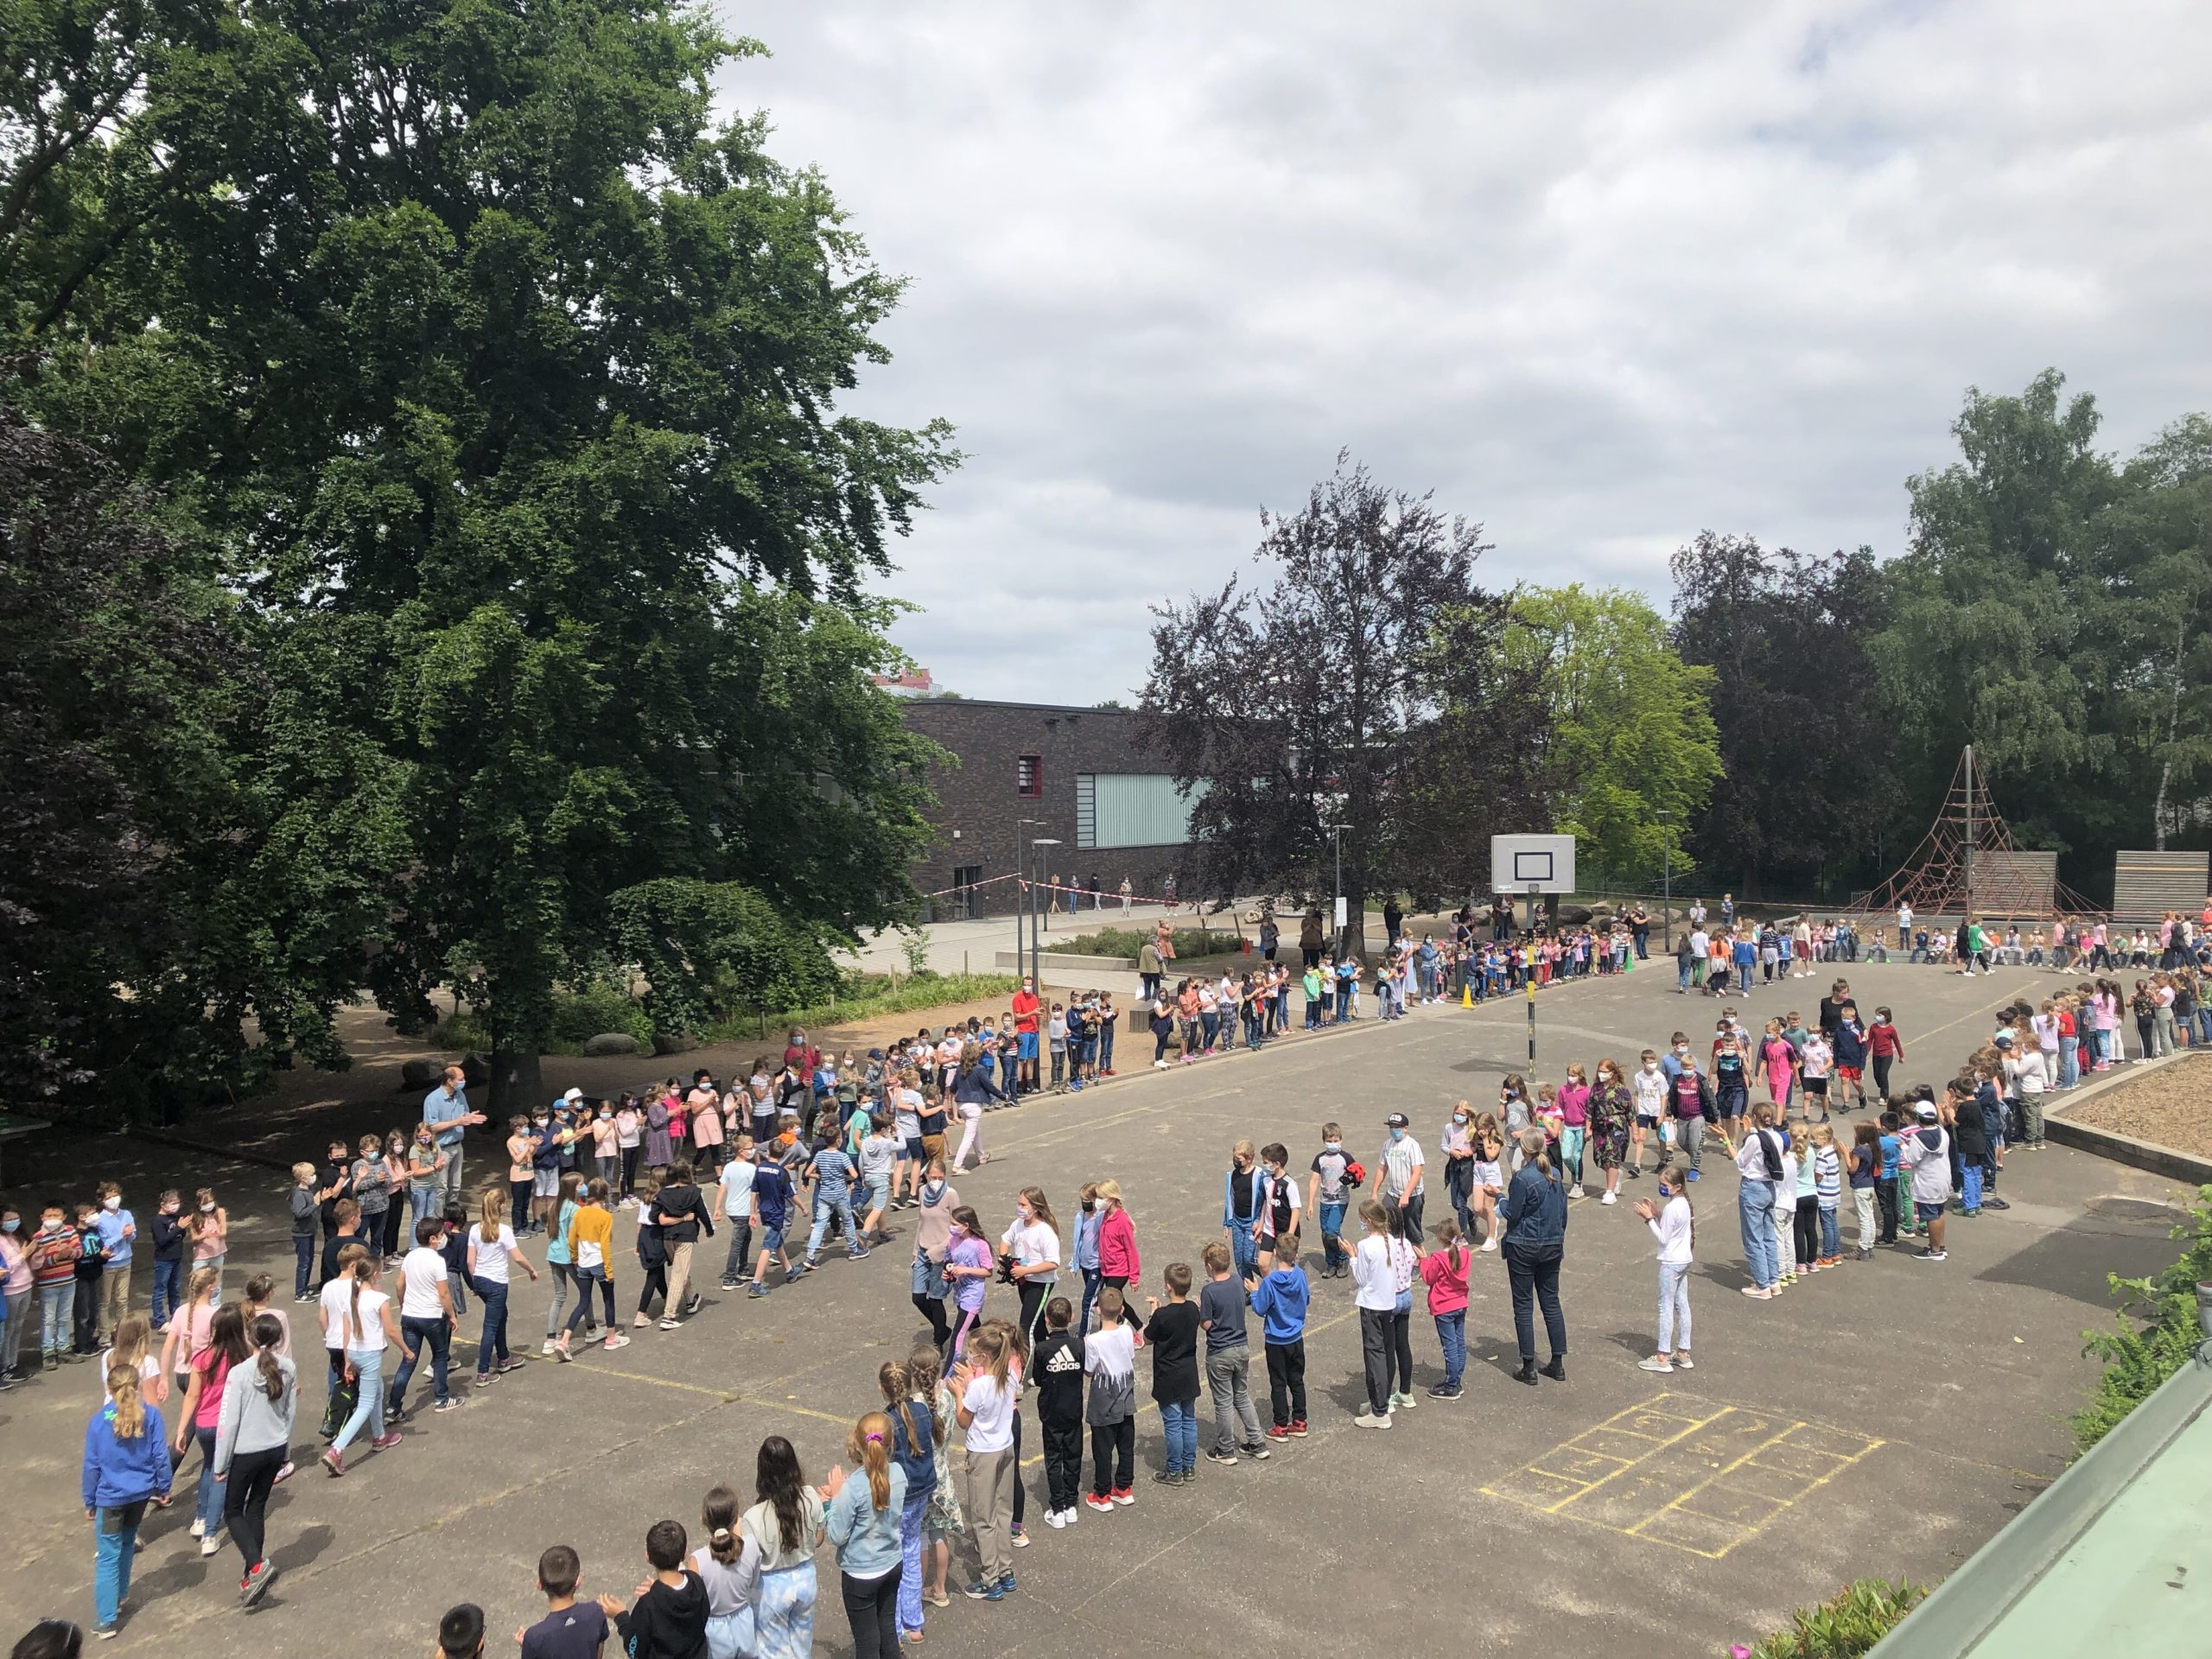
(1845, 1626)
(581, 1014)
(2136, 1362)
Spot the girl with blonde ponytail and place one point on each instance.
(368, 1329)
(126, 1467)
(863, 1524)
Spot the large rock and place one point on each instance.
(673, 1042)
(611, 1042)
(420, 1074)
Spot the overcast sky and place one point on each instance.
(1600, 277)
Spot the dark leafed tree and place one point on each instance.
(1807, 782)
(1359, 684)
(507, 383)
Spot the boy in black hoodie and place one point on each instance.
(670, 1618)
(1058, 1366)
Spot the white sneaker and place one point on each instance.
(1575, 1192)
(1611, 1197)
(546, 1352)
(1683, 1362)
(1055, 1519)
(198, 1528)
(1664, 1367)
(211, 1545)
(1489, 1245)
(1368, 1419)
(1073, 1515)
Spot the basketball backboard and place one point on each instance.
(1520, 864)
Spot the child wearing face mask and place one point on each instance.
(168, 1255)
(1458, 1146)
(1650, 1084)
(1328, 1191)
(210, 1228)
(1490, 1180)
(1674, 1225)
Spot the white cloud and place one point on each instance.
(1601, 277)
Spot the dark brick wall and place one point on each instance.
(979, 808)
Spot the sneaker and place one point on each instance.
(561, 1352)
(1693, 1175)
(546, 1350)
(1684, 1363)
(1215, 1454)
(1446, 1391)
(1932, 1256)
(1658, 1362)
(1124, 1497)
(1489, 1245)
(199, 1528)
(1368, 1419)
(1167, 1477)
(210, 1545)
(485, 1379)
(105, 1632)
(1759, 1293)
(283, 1474)
(1575, 1191)
(1103, 1505)
(669, 1322)
(1071, 1515)
(1279, 1433)
(1054, 1520)
(1006, 1584)
(730, 1284)
(1398, 1399)
(615, 1339)
(447, 1404)
(1611, 1197)
(1020, 1537)
(1297, 1428)
(981, 1591)
(856, 1254)
(1996, 1204)
(255, 1585)
(335, 1461)
(511, 1363)
(758, 1290)
(384, 1442)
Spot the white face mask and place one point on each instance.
(207, 1209)
(111, 1204)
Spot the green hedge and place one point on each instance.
(1125, 942)
(2136, 1361)
(1845, 1626)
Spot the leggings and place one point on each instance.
(1034, 1293)
(1401, 1349)
(392, 1217)
(1807, 1233)
(630, 1169)
(655, 1284)
(872, 1605)
(246, 1485)
(518, 1196)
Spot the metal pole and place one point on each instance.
(1528, 985)
(1969, 898)
(1021, 886)
(1336, 835)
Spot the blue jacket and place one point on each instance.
(118, 1471)
(1280, 1300)
(1258, 1177)
(1534, 1212)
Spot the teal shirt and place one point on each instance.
(557, 1247)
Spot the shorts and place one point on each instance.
(911, 1149)
(1815, 1086)
(1848, 1073)
(545, 1184)
(1647, 1120)
(772, 1240)
(1736, 1105)
(878, 1189)
(1026, 1044)
(1925, 1213)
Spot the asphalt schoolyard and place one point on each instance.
(1882, 1418)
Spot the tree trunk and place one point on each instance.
(1355, 935)
(516, 1084)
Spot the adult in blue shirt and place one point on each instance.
(1534, 1216)
(445, 1109)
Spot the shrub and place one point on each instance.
(2138, 1361)
(1126, 941)
(1845, 1626)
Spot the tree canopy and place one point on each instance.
(502, 386)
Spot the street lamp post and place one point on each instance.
(1036, 938)
(1021, 896)
(1666, 881)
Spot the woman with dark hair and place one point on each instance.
(1534, 1215)
(197, 1418)
(253, 1437)
(785, 1524)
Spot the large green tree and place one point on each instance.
(1632, 751)
(504, 386)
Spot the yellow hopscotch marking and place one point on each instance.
(1649, 1472)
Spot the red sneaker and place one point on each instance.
(1278, 1433)
(1298, 1429)
(1122, 1494)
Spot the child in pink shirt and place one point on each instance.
(1444, 1270)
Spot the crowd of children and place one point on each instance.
(835, 1147)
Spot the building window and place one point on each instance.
(1029, 774)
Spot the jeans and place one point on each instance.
(492, 1346)
(1452, 1335)
(738, 1264)
(1970, 1188)
(302, 1267)
(1243, 1249)
(564, 1278)
(368, 1412)
(2070, 1061)
(1179, 1421)
(1286, 1382)
(872, 1605)
(423, 1201)
(20, 1314)
(169, 1286)
(207, 1496)
(413, 1333)
(1228, 1379)
(1405, 1216)
(1831, 1235)
(1093, 1280)
(914, 1525)
(581, 1314)
(1674, 1307)
(56, 1305)
(1534, 1278)
(1332, 1228)
(116, 1535)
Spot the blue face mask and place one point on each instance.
(11, 1224)
(1397, 1134)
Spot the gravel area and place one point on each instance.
(2171, 1106)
